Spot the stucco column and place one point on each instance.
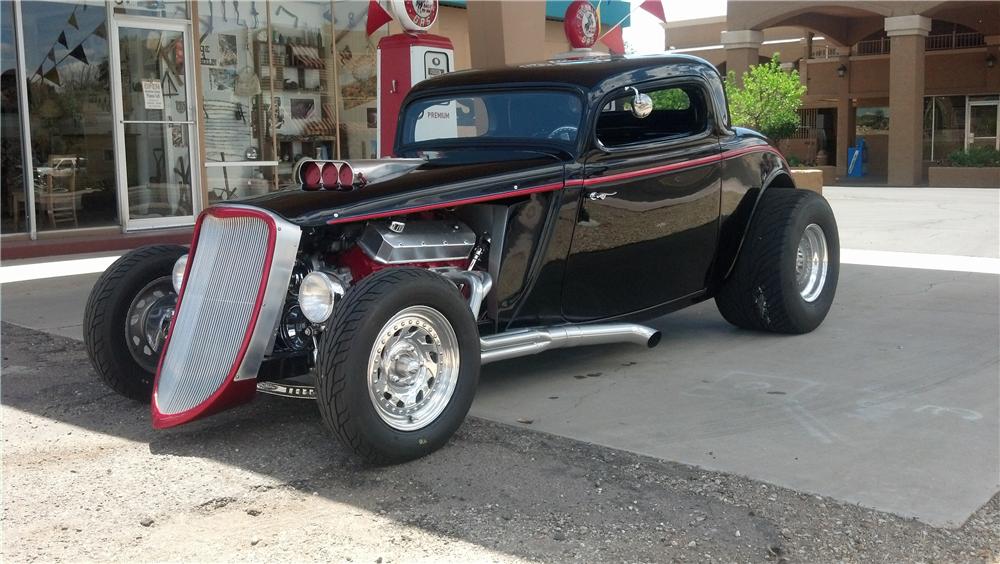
(993, 74)
(742, 50)
(845, 114)
(506, 33)
(906, 98)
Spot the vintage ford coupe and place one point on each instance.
(530, 208)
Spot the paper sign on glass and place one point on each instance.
(152, 94)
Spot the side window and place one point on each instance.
(679, 111)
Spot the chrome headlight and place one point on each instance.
(318, 293)
(177, 276)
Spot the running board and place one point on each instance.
(513, 344)
(524, 342)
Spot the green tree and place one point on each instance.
(670, 99)
(768, 101)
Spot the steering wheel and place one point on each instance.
(565, 132)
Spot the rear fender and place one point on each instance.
(729, 248)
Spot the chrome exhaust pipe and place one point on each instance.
(478, 282)
(524, 342)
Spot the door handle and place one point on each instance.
(600, 195)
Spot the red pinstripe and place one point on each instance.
(575, 182)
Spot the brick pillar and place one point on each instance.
(906, 98)
(506, 33)
(742, 50)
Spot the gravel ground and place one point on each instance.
(86, 478)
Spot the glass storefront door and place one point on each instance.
(981, 127)
(155, 123)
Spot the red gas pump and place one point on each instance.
(404, 60)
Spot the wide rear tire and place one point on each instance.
(398, 365)
(786, 274)
(139, 280)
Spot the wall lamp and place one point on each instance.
(991, 61)
(842, 71)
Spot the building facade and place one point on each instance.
(130, 116)
(916, 80)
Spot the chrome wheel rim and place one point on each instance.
(148, 321)
(811, 263)
(413, 368)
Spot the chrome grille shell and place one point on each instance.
(234, 288)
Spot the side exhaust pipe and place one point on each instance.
(526, 342)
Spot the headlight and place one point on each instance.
(178, 274)
(318, 292)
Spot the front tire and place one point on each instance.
(126, 318)
(398, 365)
(786, 274)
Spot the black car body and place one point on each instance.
(575, 213)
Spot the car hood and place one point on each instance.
(446, 178)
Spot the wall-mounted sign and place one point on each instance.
(152, 94)
(581, 24)
(415, 15)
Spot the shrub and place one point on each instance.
(974, 157)
(768, 101)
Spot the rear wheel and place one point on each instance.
(127, 318)
(786, 274)
(398, 366)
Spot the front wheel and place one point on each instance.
(786, 274)
(398, 366)
(127, 318)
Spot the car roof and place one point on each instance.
(595, 73)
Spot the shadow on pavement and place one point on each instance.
(519, 492)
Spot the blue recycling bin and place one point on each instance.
(856, 157)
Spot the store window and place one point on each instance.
(356, 81)
(955, 123)
(872, 121)
(175, 9)
(285, 81)
(236, 86)
(69, 104)
(11, 163)
(944, 126)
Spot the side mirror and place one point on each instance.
(642, 104)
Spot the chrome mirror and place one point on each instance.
(642, 104)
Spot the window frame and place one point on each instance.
(665, 142)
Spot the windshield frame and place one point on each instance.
(486, 142)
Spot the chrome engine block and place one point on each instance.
(417, 241)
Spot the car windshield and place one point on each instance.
(524, 115)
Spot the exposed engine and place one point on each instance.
(444, 244)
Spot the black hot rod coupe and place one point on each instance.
(530, 208)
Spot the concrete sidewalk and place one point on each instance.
(892, 403)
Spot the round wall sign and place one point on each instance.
(581, 24)
(415, 15)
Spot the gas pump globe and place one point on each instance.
(405, 59)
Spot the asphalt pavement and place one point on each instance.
(892, 404)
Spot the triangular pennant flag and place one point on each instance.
(655, 7)
(100, 32)
(72, 21)
(52, 55)
(79, 53)
(62, 39)
(377, 17)
(614, 40)
(53, 76)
